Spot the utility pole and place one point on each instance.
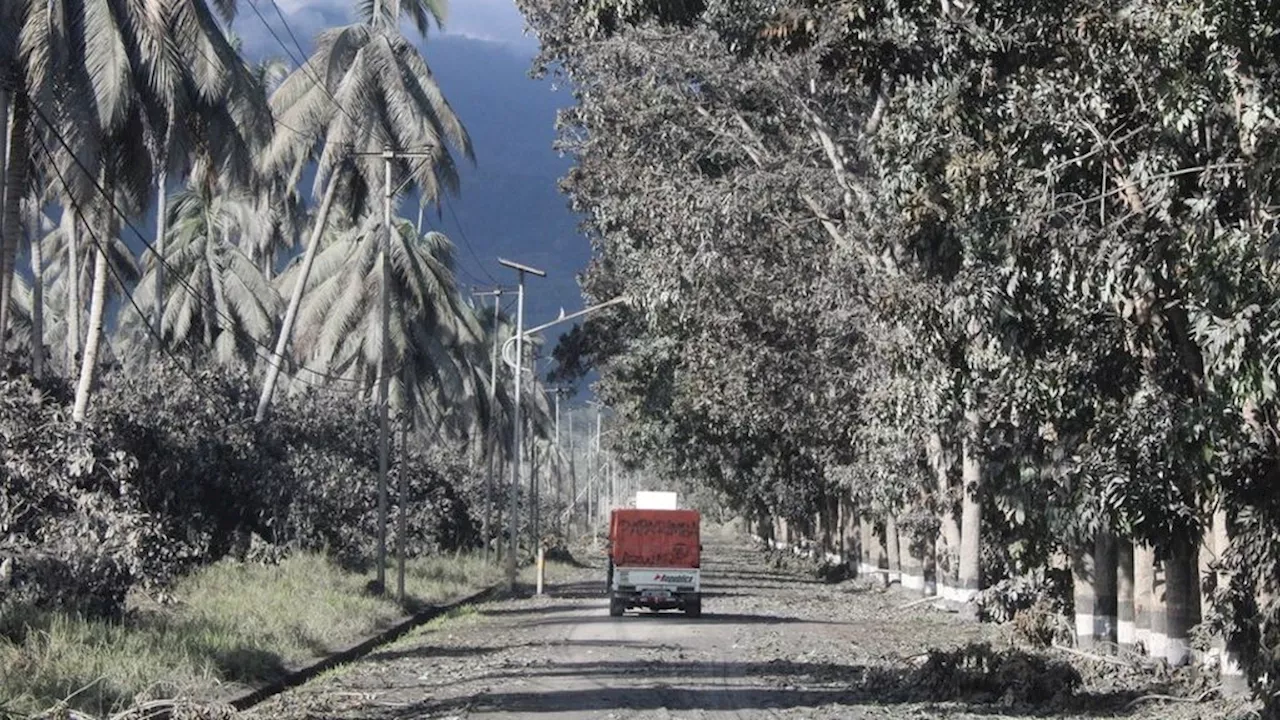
(487, 521)
(513, 519)
(388, 155)
(596, 486)
(573, 473)
(556, 392)
(534, 495)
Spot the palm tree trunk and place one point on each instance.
(75, 306)
(97, 310)
(5, 106)
(37, 292)
(273, 372)
(162, 220)
(219, 310)
(11, 229)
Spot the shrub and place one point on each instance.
(170, 474)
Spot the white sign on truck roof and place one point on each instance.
(654, 500)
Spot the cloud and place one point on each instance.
(496, 21)
(491, 20)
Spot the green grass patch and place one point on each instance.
(232, 622)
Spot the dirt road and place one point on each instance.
(771, 643)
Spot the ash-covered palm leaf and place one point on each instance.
(432, 333)
(423, 13)
(219, 301)
(364, 89)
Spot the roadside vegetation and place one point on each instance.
(979, 295)
(230, 625)
(189, 435)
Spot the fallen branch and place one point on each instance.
(1092, 656)
(918, 601)
(1174, 698)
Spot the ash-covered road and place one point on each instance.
(771, 643)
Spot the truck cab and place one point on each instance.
(655, 558)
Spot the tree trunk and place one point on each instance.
(97, 310)
(848, 542)
(1125, 598)
(162, 225)
(764, 524)
(11, 222)
(893, 550)
(875, 559)
(295, 301)
(1144, 580)
(866, 562)
(912, 563)
(947, 551)
(1179, 586)
(5, 106)
(1234, 681)
(37, 291)
(827, 517)
(75, 305)
(929, 566)
(971, 509)
(1105, 609)
(1084, 593)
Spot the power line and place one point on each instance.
(463, 233)
(159, 258)
(93, 235)
(304, 63)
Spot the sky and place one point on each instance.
(509, 204)
(495, 21)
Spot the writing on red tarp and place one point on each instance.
(648, 527)
(648, 541)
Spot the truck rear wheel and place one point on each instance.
(617, 606)
(693, 606)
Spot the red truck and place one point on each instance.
(654, 560)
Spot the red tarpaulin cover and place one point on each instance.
(655, 538)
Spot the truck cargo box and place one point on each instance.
(655, 538)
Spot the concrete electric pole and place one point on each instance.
(516, 427)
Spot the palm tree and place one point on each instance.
(38, 226)
(68, 280)
(228, 128)
(222, 303)
(433, 335)
(366, 88)
(98, 82)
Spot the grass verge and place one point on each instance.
(232, 623)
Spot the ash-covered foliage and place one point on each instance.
(863, 238)
(168, 474)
